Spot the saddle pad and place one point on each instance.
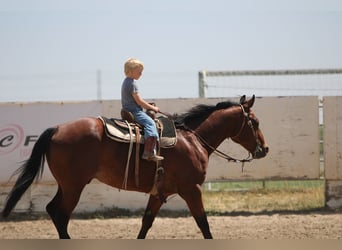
(117, 130)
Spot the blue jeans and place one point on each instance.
(148, 123)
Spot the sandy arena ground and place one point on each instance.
(273, 226)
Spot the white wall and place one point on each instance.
(290, 126)
(333, 150)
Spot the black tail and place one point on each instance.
(30, 170)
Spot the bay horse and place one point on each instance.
(79, 151)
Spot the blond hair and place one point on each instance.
(131, 64)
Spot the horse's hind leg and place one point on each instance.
(151, 211)
(60, 209)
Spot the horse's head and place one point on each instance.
(249, 134)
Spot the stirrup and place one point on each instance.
(152, 157)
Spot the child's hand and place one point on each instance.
(156, 109)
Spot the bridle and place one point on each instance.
(249, 158)
(250, 124)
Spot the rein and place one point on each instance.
(221, 154)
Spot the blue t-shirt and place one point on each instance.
(128, 103)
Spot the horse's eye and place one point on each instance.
(255, 123)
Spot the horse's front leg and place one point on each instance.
(151, 211)
(193, 198)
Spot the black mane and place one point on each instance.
(200, 112)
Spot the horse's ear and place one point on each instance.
(250, 102)
(243, 99)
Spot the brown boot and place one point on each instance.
(149, 153)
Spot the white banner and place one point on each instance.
(290, 125)
(21, 125)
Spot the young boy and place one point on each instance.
(134, 103)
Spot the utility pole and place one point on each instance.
(98, 81)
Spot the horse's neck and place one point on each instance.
(219, 126)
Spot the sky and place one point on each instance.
(67, 50)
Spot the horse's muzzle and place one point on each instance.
(260, 151)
